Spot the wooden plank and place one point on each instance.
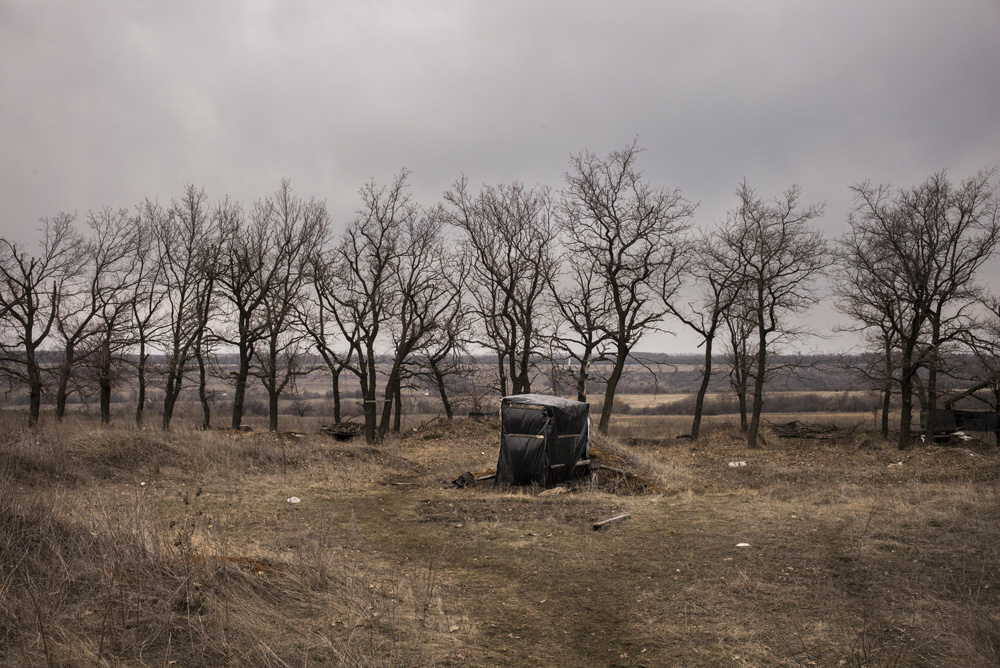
(612, 520)
(582, 462)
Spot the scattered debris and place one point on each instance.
(742, 544)
(736, 465)
(612, 473)
(554, 490)
(255, 566)
(342, 431)
(464, 480)
(294, 499)
(613, 520)
(822, 432)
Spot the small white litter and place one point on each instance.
(742, 544)
(736, 465)
(294, 499)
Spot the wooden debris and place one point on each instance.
(255, 566)
(342, 431)
(582, 462)
(612, 520)
(796, 429)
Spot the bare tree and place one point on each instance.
(741, 352)
(30, 290)
(632, 235)
(922, 247)
(583, 311)
(425, 298)
(441, 354)
(299, 226)
(716, 270)
(253, 258)
(510, 236)
(115, 258)
(146, 297)
(78, 305)
(781, 256)
(364, 264)
(186, 235)
(876, 316)
(316, 318)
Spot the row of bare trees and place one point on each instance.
(404, 293)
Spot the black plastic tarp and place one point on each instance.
(542, 439)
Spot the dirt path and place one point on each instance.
(535, 584)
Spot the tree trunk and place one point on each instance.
(172, 391)
(392, 387)
(996, 406)
(240, 390)
(206, 408)
(397, 422)
(104, 382)
(932, 373)
(273, 391)
(272, 409)
(336, 396)
(887, 390)
(886, 407)
(741, 398)
(34, 391)
(63, 389)
(169, 399)
(439, 378)
(583, 378)
(905, 402)
(140, 405)
(367, 364)
(609, 393)
(758, 389)
(699, 400)
(502, 375)
(370, 412)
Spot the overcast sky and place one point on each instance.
(105, 103)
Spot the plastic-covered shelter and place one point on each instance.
(543, 440)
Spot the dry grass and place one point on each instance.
(123, 547)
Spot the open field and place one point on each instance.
(127, 547)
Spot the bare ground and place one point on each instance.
(124, 547)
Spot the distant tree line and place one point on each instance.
(547, 281)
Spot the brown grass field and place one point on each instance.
(124, 547)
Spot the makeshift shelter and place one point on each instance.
(543, 440)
